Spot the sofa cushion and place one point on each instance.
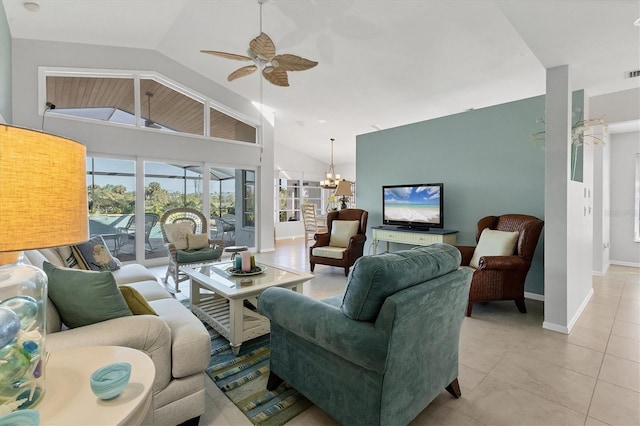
(135, 301)
(342, 231)
(494, 243)
(374, 278)
(150, 290)
(95, 255)
(203, 254)
(132, 273)
(197, 241)
(176, 234)
(84, 297)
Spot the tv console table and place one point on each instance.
(397, 234)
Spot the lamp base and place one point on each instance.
(344, 200)
(23, 299)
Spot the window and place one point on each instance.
(289, 200)
(97, 98)
(249, 198)
(312, 194)
(163, 105)
(163, 108)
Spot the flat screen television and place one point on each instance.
(418, 206)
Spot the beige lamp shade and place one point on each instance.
(43, 194)
(344, 189)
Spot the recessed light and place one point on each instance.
(637, 22)
(376, 127)
(322, 121)
(31, 6)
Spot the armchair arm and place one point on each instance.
(147, 333)
(357, 239)
(502, 263)
(326, 326)
(173, 251)
(467, 254)
(322, 239)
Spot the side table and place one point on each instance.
(68, 399)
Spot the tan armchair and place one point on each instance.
(176, 224)
(343, 242)
(502, 277)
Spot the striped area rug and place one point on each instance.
(243, 379)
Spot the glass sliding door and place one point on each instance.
(167, 186)
(233, 204)
(112, 203)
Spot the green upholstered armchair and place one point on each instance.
(380, 353)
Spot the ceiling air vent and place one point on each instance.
(632, 74)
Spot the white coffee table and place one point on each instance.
(68, 399)
(219, 299)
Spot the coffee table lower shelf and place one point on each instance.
(215, 310)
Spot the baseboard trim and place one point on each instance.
(582, 307)
(555, 327)
(534, 296)
(621, 263)
(567, 329)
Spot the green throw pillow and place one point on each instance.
(136, 302)
(84, 297)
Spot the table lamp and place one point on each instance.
(344, 190)
(43, 203)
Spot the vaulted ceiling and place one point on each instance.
(381, 64)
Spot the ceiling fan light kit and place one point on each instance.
(262, 51)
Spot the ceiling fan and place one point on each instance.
(262, 51)
(148, 122)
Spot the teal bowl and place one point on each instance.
(26, 417)
(109, 381)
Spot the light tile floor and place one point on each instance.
(512, 371)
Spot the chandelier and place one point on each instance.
(331, 182)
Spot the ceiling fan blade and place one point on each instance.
(263, 47)
(227, 55)
(277, 76)
(241, 72)
(292, 62)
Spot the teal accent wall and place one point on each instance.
(484, 157)
(5, 67)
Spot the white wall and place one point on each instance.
(601, 203)
(5, 68)
(624, 147)
(28, 55)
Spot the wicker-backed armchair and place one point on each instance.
(503, 277)
(179, 256)
(326, 252)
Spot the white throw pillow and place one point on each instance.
(342, 231)
(494, 243)
(177, 234)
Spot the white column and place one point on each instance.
(557, 158)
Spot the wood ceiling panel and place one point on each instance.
(166, 106)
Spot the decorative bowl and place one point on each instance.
(26, 417)
(109, 381)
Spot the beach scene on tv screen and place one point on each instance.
(412, 204)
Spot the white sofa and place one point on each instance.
(177, 342)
